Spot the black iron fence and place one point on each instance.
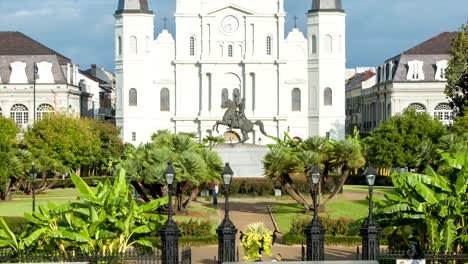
(151, 256)
(430, 258)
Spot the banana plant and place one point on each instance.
(434, 206)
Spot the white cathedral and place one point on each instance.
(226, 48)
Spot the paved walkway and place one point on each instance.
(243, 212)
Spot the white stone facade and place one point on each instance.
(223, 45)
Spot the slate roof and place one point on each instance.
(16, 43)
(439, 44)
(133, 6)
(358, 78)
(15, 46)
(327, 5)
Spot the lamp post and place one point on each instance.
(170, 231)
(370, 230)
(226, 230)
(33, 179)
(315, 231)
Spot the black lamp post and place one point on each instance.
(33, 179)
(226, 230)
(370, 230)
(170, 231)
(315, 231)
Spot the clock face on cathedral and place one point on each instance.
(230, 24)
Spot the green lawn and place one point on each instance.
(365, 189)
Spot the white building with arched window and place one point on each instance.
(36, 81)
(229, 50)
(413, 79)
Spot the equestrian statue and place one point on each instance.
(235, 118)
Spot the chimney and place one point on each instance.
(93, 70)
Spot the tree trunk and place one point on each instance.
(292, 192)
(140, 191)
(45, 184)
(181, 187)
(192, 197)
(344, 176)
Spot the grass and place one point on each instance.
(365, 189)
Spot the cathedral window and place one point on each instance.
(43, 111)
(133, 136)
(133, 45)
(268, 45)
(119, 46)
(1, 114)
(296, 100)
(19, 113)
(328, 96)
(133, 97)
(165, 100)
(314, 44)
(192, 46)
(419, 108)
(444, 113)
(230, 50)
(328, 44)
(224, 97)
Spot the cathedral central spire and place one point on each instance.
(327, 5)
(133, 6)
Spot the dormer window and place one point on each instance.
(415, 71)
(441, 70)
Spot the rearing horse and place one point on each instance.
(232, 120)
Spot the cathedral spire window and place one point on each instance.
(328, 97)
(268, 45)
(165, 100)
(192, 46)
(133, 97)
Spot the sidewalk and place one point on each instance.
(243, 212)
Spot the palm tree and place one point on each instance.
(278, 163)
(345, 155)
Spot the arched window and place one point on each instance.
(1, 114)
(230, 50)
(165, 105)
(192, 46)
(328, 96)
(268, 45)
(418, 107)
(314, 44)
(19, 113)
(132, 97)
(444, 113)
(133, 45)
(224, 97)
(147, 44)
(328, 44)
(296, 100)
(43, 111)
(119, 46)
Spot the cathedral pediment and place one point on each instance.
(232, 7)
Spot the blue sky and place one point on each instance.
(376, 29)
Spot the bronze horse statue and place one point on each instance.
(236, 120)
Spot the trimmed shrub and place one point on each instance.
(195, 228)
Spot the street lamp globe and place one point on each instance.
(370, 175)
(315, 173)
(227, 174)
(169, 173)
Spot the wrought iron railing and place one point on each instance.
(430, 258)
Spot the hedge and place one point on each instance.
(330, 240)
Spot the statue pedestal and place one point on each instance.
(244, 159)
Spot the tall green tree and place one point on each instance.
(9, 165)
(457, 72)
(396, 142)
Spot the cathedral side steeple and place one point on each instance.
(327, 6)
(133, 6)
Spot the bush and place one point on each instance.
(298, 239)
(195, 228)
(335, 227)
